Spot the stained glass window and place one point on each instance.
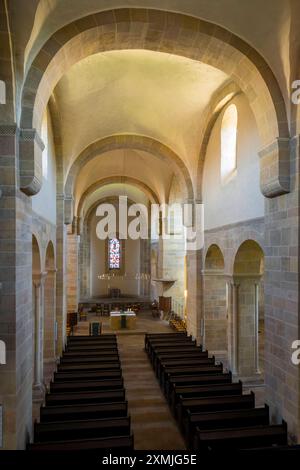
(114, 253)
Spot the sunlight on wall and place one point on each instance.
(228, 142)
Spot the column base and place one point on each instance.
(38, 393)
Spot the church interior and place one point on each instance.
(153, 342)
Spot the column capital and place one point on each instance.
(275, 168)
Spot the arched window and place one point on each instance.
(228, 142)
(114, 253)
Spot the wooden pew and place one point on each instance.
(240, 438)
(88, 375)
(223, 419)
(84, 412)
(192, 353)
(184, 380)
(91, 347)
(188, 362)
(84, 397)
(204, 369)
(217, 403)
(168, 348)
(93, 353)
(180, 393)
(94, 344)
(103, 337)
(151, 336)
(91, 385)
(89, 360)
(84, 429)
(88, 367)
(170, 341)
(121, 442)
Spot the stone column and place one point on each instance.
(256, 328)
(246, 313)
(49, 323)
(194, 316)
(144, 266)
(38, 281)
(193, 220)
(233, 301)
(215, 314)
(61, 276)
(72, 286)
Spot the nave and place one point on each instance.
(152, 391)
(149, 154)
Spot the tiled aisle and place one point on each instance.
(152, 422)
(153, 425)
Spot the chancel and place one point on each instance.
(149, 243)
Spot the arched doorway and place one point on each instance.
(49, 343)
(249, 309)
(215, 312)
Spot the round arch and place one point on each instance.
(116, 179)
(36, 255)
(214, 259)
(160, 31)
(248, 257)
(136, 142)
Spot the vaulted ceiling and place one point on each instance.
(146, 93)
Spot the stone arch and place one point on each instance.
(49, 324)
(252, 236)
(214, 259)
(248, 258)
(161, 31)
(116, 179)
(36, 255)
(249, 326)
(135, 142)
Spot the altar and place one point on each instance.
(122, 320)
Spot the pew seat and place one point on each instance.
(88, 367)
(223, 419)
(185, 380)
(215, 403)
(240, 438)
(89, 385)
(119, 442)
(84, 429)
(83, 412)
(84, 397)
(88, 375)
